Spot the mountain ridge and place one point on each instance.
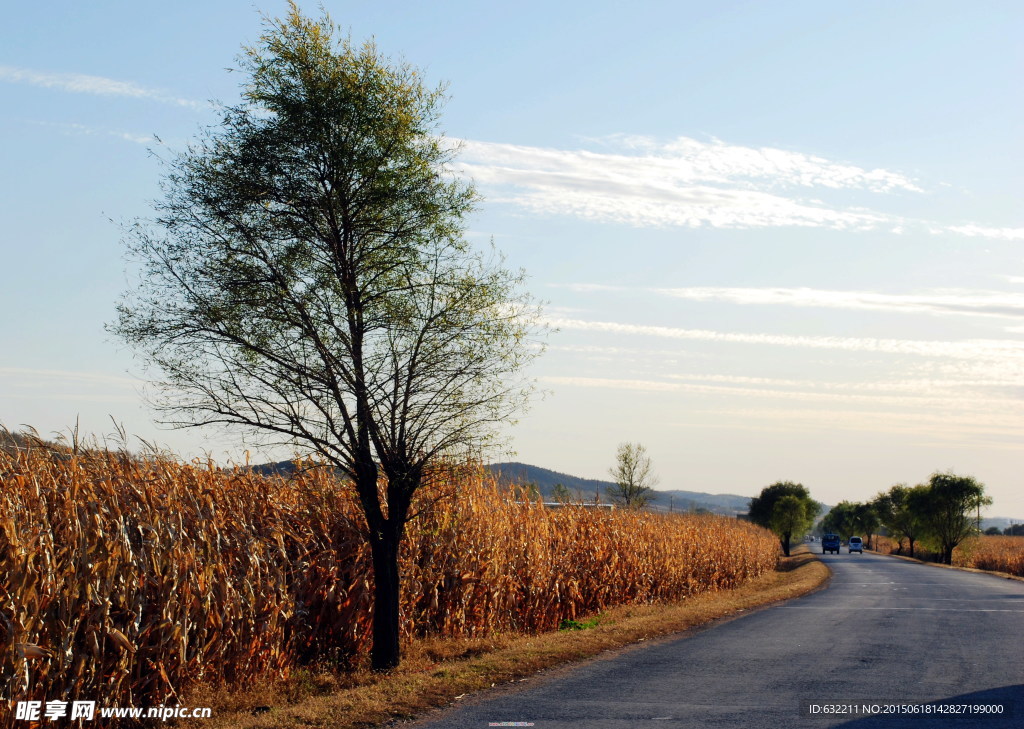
(586, 489)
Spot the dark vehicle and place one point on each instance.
(856, 545)
(830, 543)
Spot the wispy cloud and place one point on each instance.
(944, 301)
(771, 389)
(920, 386)
(968, 349)
(85, 84)
(41, 384)
(959, 429)
(716, 161)
(982, 231)
(28, 377)
(88, 131)
(687, 183)
(641, 182)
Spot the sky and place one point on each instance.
(778, 241)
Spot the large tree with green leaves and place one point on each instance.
(306, 278)
(841, 519)
(787, 509)
(951, 510)
(899, 509)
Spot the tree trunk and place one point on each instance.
(785, 545)
(385, 653)
(911, 541)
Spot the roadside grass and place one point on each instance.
(437, 672)
(964, 568)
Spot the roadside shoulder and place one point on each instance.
(419, 686)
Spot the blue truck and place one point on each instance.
(830, 543)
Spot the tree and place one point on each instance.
(865, 521)
(306, 278)
(950, 510)
(560, 493)
(899, 510)
(634, 481)
(841, 519)
(789, 517)
(787, 509)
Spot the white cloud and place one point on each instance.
(23, 383)
(717, 161)
(26, 377)
(948, 400)
(589, 288)
(953, 429)
(641, 182)
(84, 84)
(686, 183)
(981, 231)
(943, 301)
(83, 130)
(968, 349)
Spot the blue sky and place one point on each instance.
(779, 241)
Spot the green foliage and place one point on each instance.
(841, 519)
(787, 509)
(634, 480)
(568, 624)
(951, 510)
(560, 493)
(899, 510)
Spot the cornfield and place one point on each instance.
(986, 552)
(126, 578)
(1000, 554)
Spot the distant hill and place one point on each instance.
(585, 488)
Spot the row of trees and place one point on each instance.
(944, 511)
(1014, 530)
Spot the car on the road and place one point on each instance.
(856, 544)
(830, 543)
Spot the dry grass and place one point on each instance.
(993, 553)
(990, 553)
(136, 580)
(438, 672)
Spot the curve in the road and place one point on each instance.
(887, 635)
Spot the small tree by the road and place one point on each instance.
(634, 480)
(789, 517)
(950, 508)
(306, 278)
(787, 509)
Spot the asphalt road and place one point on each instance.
(885, 634)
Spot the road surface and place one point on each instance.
(886, 635)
